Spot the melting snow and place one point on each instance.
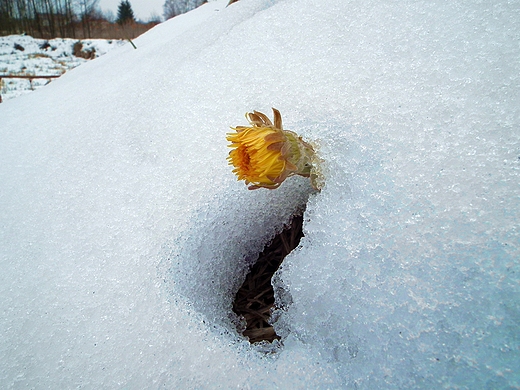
(125, 235)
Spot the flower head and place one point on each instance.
(264, 154)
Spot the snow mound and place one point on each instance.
(125, 235)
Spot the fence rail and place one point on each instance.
(29, 77)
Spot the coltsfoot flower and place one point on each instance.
(264, 155)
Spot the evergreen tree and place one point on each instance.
(125, 14)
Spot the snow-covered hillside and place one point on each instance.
(124, 234)
(28, 56)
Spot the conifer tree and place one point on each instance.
(125, 14)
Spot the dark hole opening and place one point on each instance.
(255, 298)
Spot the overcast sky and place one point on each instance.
(143, 9)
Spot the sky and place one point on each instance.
(143, 9)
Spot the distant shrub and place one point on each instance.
(78, 51)
(19, 47)
(77, 48)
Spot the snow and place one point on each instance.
(25, 55)
(125, 235)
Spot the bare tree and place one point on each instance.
(87, 9)
(36, 12)
(22, 16)
(50, 20)
(6, 19)
(172, 8)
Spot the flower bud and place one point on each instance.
(264, 155)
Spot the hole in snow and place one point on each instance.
(254, 300)
(206, 262)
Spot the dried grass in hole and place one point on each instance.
(255, 299)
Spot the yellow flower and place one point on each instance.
(264, 154)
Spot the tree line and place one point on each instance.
(80, 18)
(172, 8)
(68, 18)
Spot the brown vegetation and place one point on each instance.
(103, 29)
(255, 299)
(78, 51)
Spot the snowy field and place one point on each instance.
(25, 55)
(125, 235)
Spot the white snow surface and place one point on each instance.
(124, 234)
(25, 55)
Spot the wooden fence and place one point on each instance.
(28, 77)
